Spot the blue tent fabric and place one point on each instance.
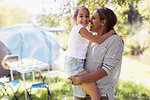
(3, 51)
(30, 42)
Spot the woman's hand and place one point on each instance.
(75, 80)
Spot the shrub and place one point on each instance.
(128, 90)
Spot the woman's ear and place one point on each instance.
(103, 22)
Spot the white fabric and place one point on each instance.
(77, 45)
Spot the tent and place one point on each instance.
(3, 51)
(30, 42)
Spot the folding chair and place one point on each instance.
(3, 91)
(39, 85)
(12, 84)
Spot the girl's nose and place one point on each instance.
(90, 20)
(84, 18)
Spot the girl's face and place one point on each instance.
(82, 17)
(95, 22)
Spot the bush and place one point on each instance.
(128, 90)
(137, 41)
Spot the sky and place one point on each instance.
(35, 6)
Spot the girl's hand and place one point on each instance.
(112, 32)
(75, 80)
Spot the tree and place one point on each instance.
(12, 15)
(93, 4)
(50, 20)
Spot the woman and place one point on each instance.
(104, 60)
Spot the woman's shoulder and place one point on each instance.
(114, 40)
(115, 37)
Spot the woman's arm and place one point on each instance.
(86, 34)
(90, 77)
(112, 58)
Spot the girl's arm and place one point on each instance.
(90, 77)
(86, 34)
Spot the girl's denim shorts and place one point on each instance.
(73, 66)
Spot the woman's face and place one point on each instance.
(95, 22)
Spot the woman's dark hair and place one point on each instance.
(109, 16)
(77, 10)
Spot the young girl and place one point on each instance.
(77, 48)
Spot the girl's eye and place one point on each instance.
(93, 18)
(87, 16)
(81, 16)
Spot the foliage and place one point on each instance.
(63, 18)
(138, 40)
(128, 90)
(135, 68)
(133, 22)
(127, 11)
(93, 4)
(12, 15)
(139, 33)
(50, 20)
(146, 55)
(143, 9)
(61, 89)
(68, 8)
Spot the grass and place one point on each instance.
(133, 84)
(134, 80)
(128, 90)
(134, 70)
(60, 87)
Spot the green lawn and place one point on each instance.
(134, 70)
(60, 87)
(133, 84)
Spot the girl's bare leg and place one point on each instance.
(90, 88)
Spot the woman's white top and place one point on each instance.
(77, 45)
